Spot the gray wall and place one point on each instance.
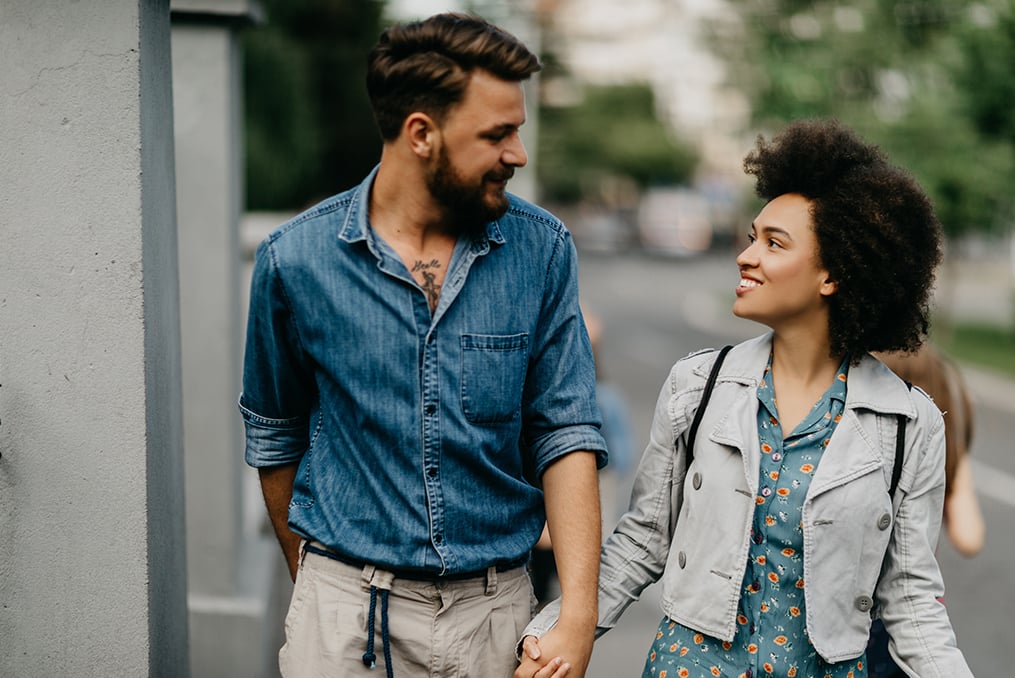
(92, 569)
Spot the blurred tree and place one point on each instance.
(309, 130)
(903, 74)
(609, 133)
(987, 76)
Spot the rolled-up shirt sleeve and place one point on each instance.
(279, 388)
(560, 409)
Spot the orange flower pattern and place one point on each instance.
(771, 631)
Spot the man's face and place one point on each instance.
(478, 152)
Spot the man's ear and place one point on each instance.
(421, 132)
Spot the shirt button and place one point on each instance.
(438, 539)
(766, 491)
(681, 560)
(749, 674)
(884, 521)
(696, 481)
(864, 603)
(777, 456)
(432, 472)
(758, 538)
(431, 408)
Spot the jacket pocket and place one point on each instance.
(493, 376)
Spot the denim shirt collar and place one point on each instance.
(356, 226)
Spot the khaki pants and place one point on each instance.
(454, 629)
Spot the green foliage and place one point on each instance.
(988, 346)
(987, 76)
(614, 132)
(916, 77)
(309, 132)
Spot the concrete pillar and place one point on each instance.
(229, 563)
(92, 563)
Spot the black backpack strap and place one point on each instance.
(900, 449)
(705, 395)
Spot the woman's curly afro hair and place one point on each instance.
(876, 231)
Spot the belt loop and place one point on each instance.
(491, 580)
(302, 554)
(367, 576)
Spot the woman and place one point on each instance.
(785, 542)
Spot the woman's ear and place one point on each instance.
(829, 287)
(421, 132)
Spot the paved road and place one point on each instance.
(657, 310)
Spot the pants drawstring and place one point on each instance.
(369, 658)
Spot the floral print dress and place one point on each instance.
(771, 636)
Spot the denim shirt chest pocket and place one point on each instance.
(493, 376)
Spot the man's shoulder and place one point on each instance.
(527, 213)
(320, 217)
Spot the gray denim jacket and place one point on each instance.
(863, 556)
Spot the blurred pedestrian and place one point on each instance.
(815, 481)
(418, 383)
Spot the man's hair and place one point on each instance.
(426, 66)
(877, 233)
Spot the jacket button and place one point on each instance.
(696, 481)
(864, 603)
(681, 559)
(884, 521)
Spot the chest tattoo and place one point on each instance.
(429, 281)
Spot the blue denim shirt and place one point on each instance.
(420, 437)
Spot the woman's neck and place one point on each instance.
(802, 370)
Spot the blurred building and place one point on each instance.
(664, 43)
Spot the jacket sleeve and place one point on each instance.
(634, 556)
(910, 589)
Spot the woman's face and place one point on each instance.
(782, 281)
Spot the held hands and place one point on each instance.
(555, 655)
(532, 665)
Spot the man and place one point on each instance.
(418, 380)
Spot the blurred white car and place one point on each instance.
(674, 221)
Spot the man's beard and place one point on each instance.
(467, 211)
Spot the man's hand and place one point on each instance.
(558, 653)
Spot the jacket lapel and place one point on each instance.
(859, 444)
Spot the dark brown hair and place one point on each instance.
(426, 66)
(876, 231)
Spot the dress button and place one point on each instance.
(696, 481)
(864, 603)
(431, 408)
(884, 521)
(681, 559)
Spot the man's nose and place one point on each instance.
(515, 155)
